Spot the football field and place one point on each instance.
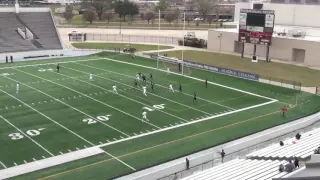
(52, 114)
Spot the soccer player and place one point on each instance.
(284, 110)
(133, 56)
(171, 88)
(17, 88)
(194, 97)
(152, 84)
(144, 90)
(90, 77)
(180, 88)
(144, 116)
(168, 71)
(138, 77)
(150, 76)
(144, 78)
(58, 67)
(114, 89)
(206, 82)
(135, 83)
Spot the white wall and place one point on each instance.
(288, 14)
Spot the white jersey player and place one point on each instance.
(171, 88)
(144, 90)
(168, 71)
(114, 89)
(17, 88)
(138, 77)
(90, 77)
(144, 116)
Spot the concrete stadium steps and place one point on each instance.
(10, 40)
(42, 25)
(241, 169)
(302, 149)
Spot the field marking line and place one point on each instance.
(147, 92)
(190, 77)
(162, 144)
(121, 94)
(64, 128)
(85, 96)
(24, 133)
(155, 84)
(56, 99)
(58, 62)
(3, 165)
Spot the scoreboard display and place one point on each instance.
(256, 26)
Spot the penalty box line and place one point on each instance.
(194, 78)
(47, 117)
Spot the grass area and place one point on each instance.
(277, 71)
(139, 47)
(76, 98)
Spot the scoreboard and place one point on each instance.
(256, 26)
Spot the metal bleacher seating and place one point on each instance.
(10, 40)
(42, 26)
(263, 164)
(302, 148)
(241, 169)
(39, 23)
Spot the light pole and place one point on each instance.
(120, 24)
(220, 36)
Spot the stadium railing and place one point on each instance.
(281, 82)
(238, 154)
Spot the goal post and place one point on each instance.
(172, 64)
(318, 91)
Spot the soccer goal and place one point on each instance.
(172, 64)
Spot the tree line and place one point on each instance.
(107, 9)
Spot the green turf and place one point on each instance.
(139, 47)
(78, 97)
(276, 71)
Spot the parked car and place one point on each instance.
(198, 19)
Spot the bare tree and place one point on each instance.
(170, 17)
(108, 16)
(204, 7)
(67, 14)
(162, 5)
(90, 16)
(210, 19)
(149, 16)
(100, 6)
(188, 18)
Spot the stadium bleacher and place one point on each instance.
(39, 23)
(263, 164)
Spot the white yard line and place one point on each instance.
(148, 93)
(3, 165)
(190, 77)
(188, 123)
(65, 128)
(67, 105)
(86, 96)
(120, 94)
(155, 84)
(55, 63)
(23, 132)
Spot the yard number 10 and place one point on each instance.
(154, 107)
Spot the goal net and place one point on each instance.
(172, 64)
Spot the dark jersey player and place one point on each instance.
(150, 77)
(152, 86)
(135, 83)
(58, 68)
(206, 82)
(194, 97)
(144, 78)
(180, 88)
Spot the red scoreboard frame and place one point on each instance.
(256, 34)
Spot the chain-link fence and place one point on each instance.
(238, 154)
(132, 38)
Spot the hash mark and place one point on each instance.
(43, 157)
(69, 150)
(170, 124)
(165, 126)
(34, 159)
(85, 146)
(154, 129)
(25, 161)
(77, 148)
(182, 122)
(115, 139)
(15, 164)
(121, 137)
(100, 142)
(61, 152)
(135, 134)
(108, 140)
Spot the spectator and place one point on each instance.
(11, 59)
(281, 168)
(296, 162)
(222, 155)
(187, 163)
(317, 151)
(6, 59)
(289, 167)
(281, 143)
(298, 136)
